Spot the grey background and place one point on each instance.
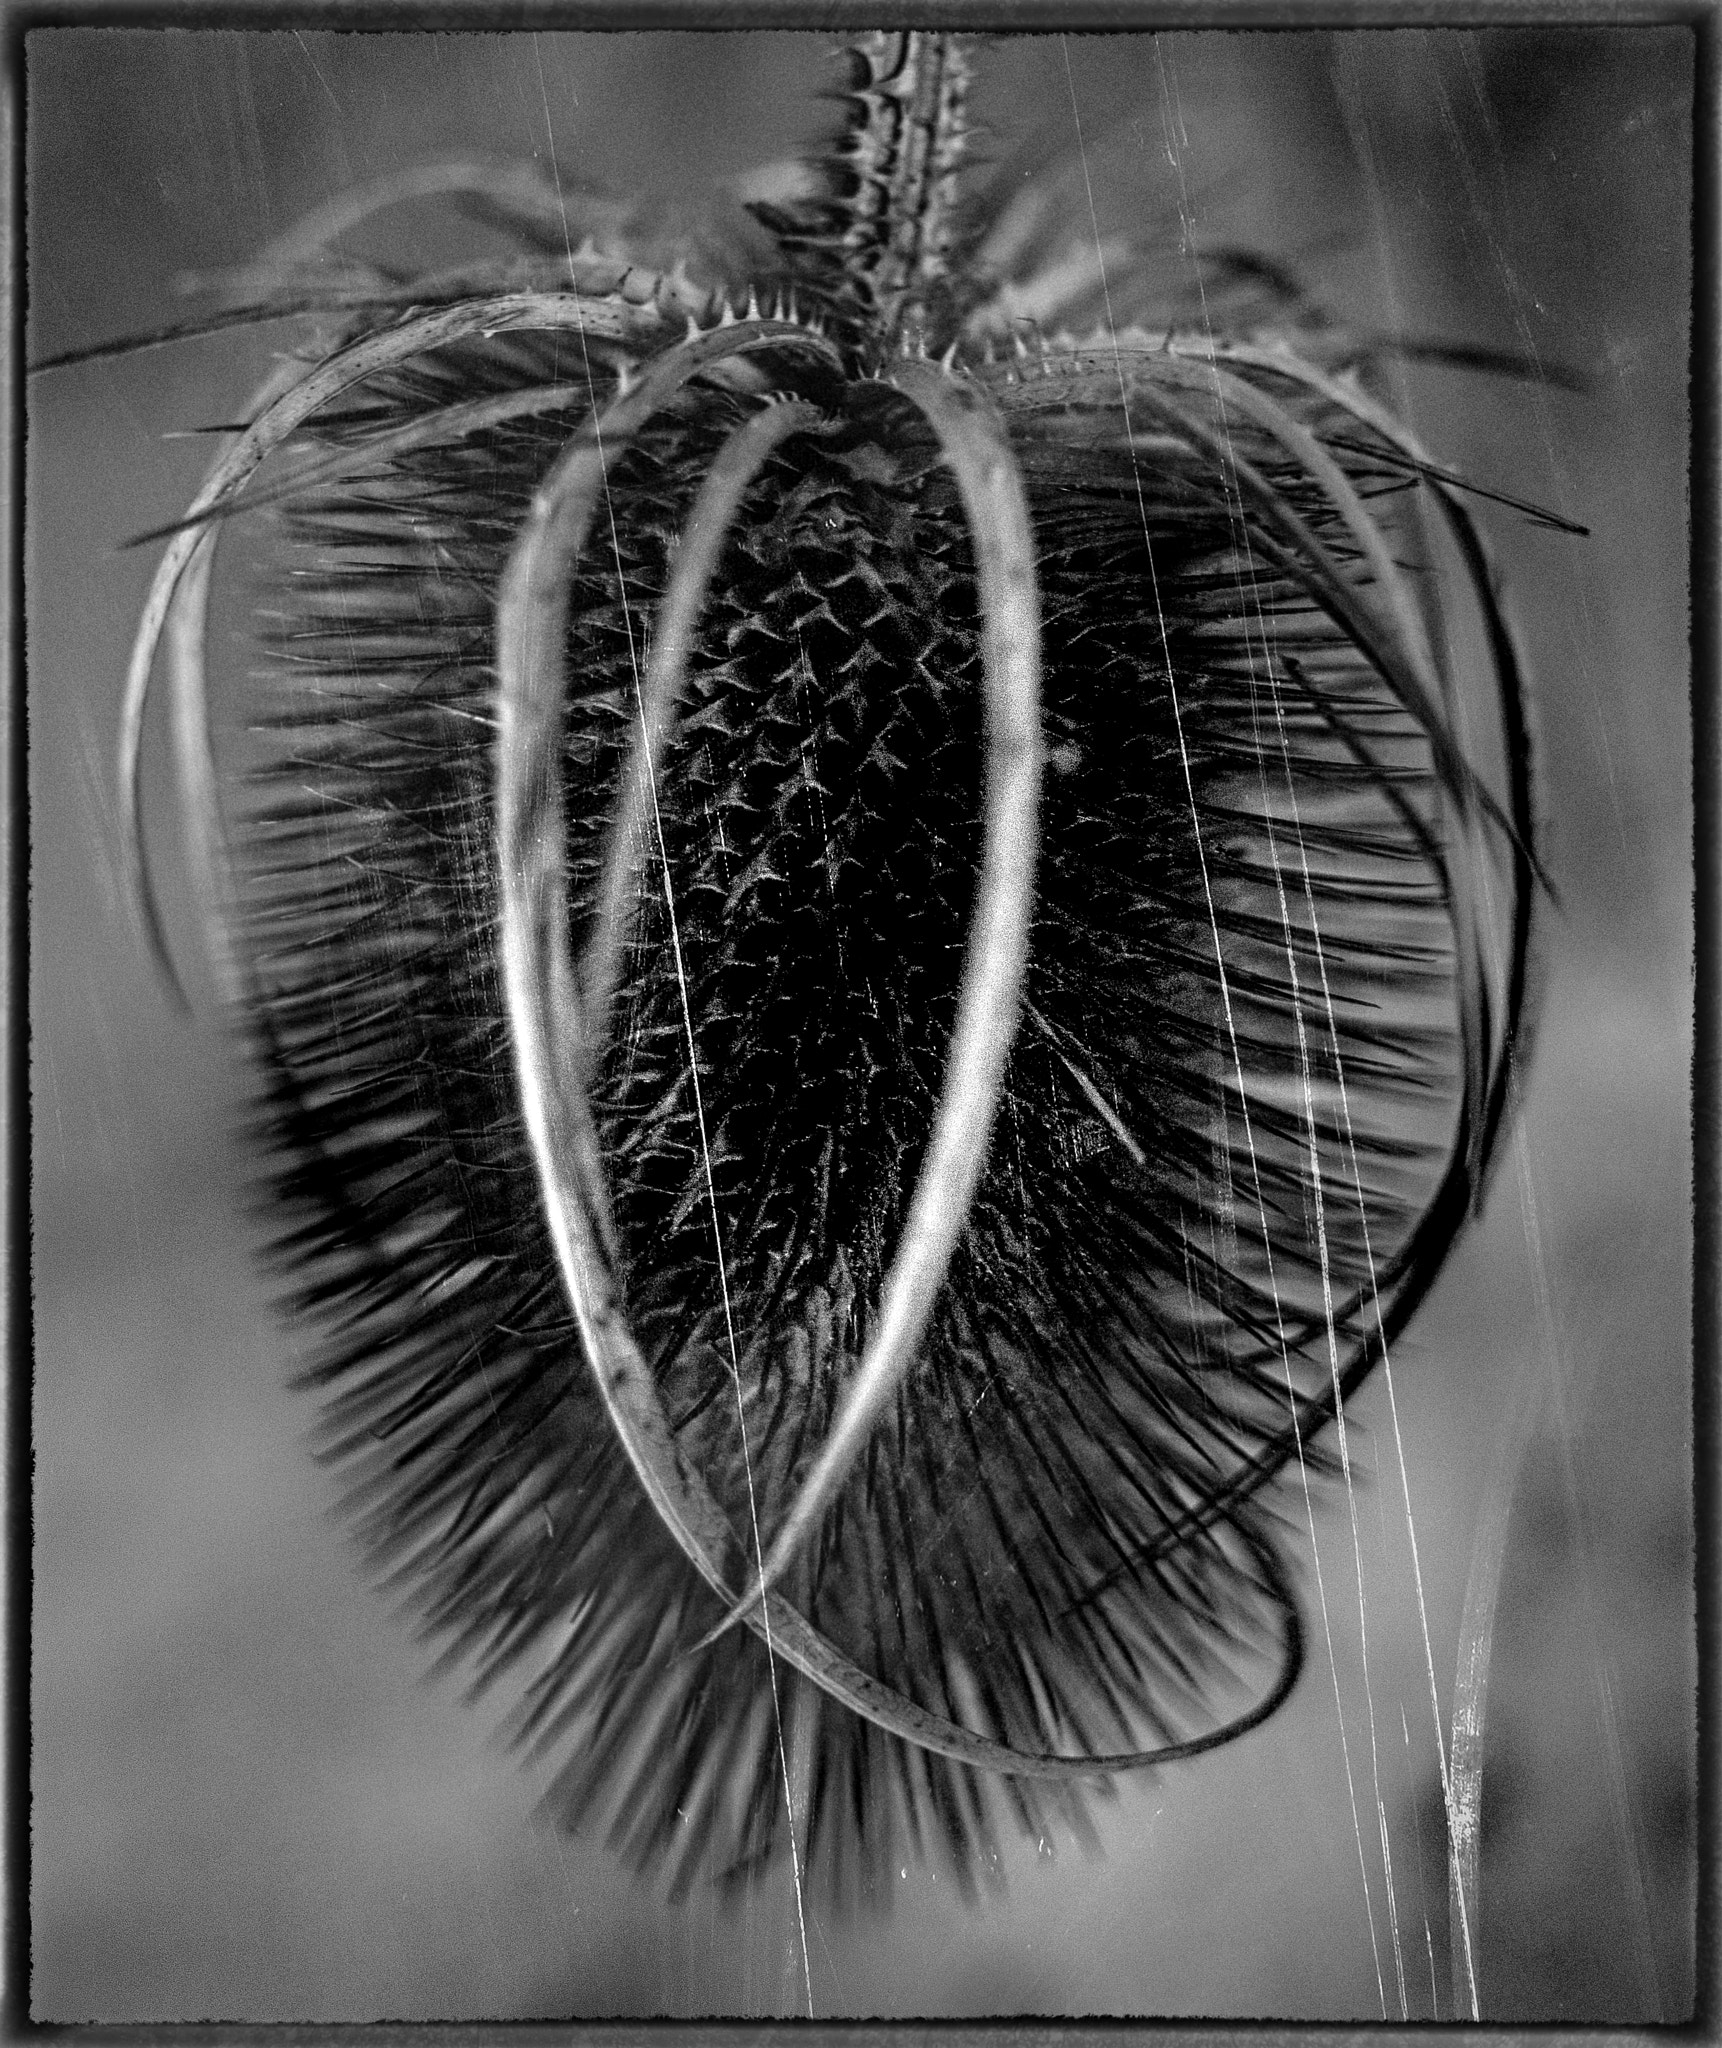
(246, 1802)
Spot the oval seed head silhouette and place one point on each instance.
(879, 962)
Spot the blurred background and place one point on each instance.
(248, 1803)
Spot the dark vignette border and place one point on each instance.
(1704, 19)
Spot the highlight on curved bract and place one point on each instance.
(883, 952)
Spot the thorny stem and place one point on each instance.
(886, 232)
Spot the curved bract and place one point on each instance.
(882, 967)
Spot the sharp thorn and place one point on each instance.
(739, 1612)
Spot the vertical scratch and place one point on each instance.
(1171, 96)
(1226, 1005)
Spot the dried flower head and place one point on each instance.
(879, 965)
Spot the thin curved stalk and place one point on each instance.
(449, 424)
(1401, 658)
(352, 299)
(205, 832)
(1303, 446)
(1428, 471)
(1325, 578)
(973, 440)
(1519, 1022)
(186, 636)
(1345, 395)
(1509, 665)
(1399, 441)
(186, 630)
(185, 633)
(509, 312)
(515, 189)
(509, 183)
(733, 468)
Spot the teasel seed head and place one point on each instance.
(879, 973)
